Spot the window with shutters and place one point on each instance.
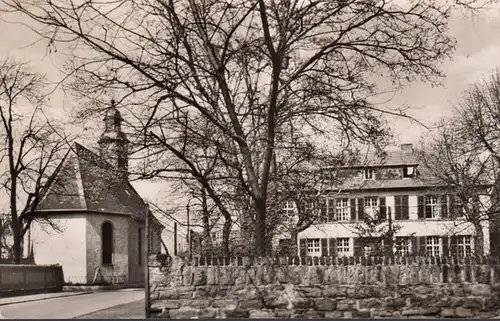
(432, 206)
(433, 246)
(343, 247)
(369, 173)
(464, 245)
(401, 207)
(403, 246)
(342, 208)
(371, 205)
(313, 247)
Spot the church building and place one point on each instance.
(97, 218)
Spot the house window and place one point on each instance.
(342, 209)
(343, 247)
(433, 246)
(369, 173)
(371, 246)
(107, 243)
(139, 245)
(217, 237)
(371, 205)
(401, 207)
(289, 207)
(403, 246)
(313, 247)
(409, 171)
(464, 245)
(432, 206)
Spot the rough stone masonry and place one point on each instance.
(324, 287)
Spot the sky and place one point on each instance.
(477, 55)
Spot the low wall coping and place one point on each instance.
(29, 265)
(161, 259)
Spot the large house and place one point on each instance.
(419, 212)
(98, 229)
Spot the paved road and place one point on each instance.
(134, 310)
(72, 306)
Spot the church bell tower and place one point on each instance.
(113, 142)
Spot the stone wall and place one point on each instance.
(324, 287)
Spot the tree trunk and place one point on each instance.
(478, 240)
(205, 219)
(226, 230)
(15, 224)
(17, 251)
(260, 228)
(294, 238)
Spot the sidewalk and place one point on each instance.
(72, 305)
(38, 297)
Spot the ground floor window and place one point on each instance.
(464, 245)
(403, 246)
(433, 245)
(313, 247)
(343, 246)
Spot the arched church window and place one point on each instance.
(107, 243)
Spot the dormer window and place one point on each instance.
(409, 171)
(369, 173)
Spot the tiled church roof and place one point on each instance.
(85, 182)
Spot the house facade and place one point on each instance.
(391, 204)
(97, 226)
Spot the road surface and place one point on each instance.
(134, 310)
(74, 306)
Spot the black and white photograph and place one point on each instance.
(221, 159)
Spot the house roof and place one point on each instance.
(390, 158)
(85, 182)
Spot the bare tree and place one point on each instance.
(252, 70)
(32, 147)
(458, 167)
(470, 144)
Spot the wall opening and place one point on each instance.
(107, 243)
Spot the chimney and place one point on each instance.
(407, 148)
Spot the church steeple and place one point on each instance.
(113, 141)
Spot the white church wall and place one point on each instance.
(118, 271)
(66, 248)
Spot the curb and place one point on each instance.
(107, 287)
(46, 298)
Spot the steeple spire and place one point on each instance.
(113, 141)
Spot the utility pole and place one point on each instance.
(391, 232)
(190, 242)
(175, 238)
(188, 234)
(187, 223)
(146, 261)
